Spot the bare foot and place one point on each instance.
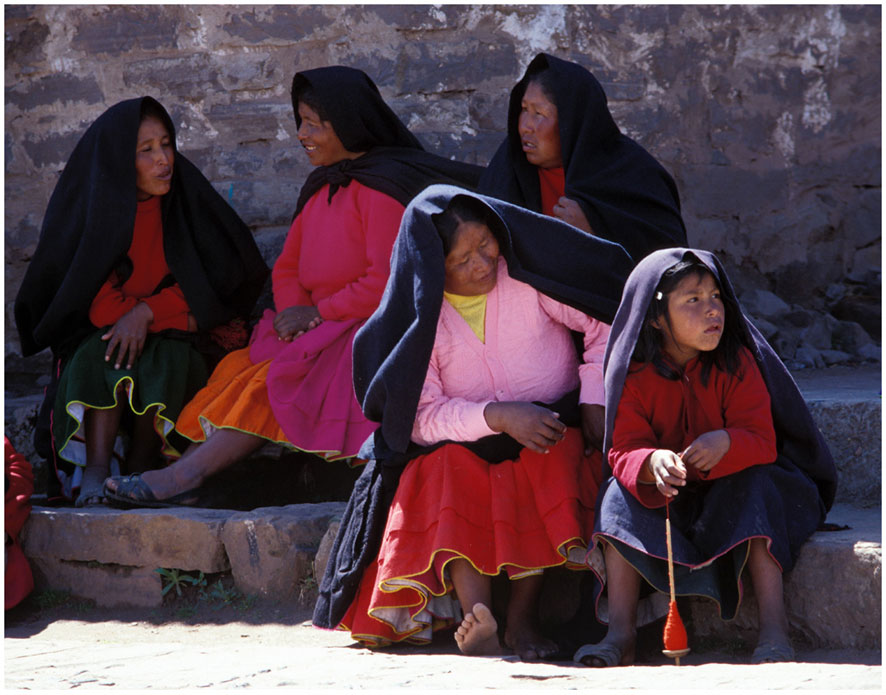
(528, 643)
(478, 633)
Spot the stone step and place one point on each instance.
(833, 594)
(846, 404)
(110, 555)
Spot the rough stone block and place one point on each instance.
(323, 552)
(184, 538)
(832, 595)
(764, 304)
(271, 549)
(60, 87)
(106, 584)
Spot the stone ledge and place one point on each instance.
(833, 594)
(99, 553)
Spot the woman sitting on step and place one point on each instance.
(140, 263)
(473, 338)
(293, 384)
(565, 156)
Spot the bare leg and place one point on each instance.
(144, 448)
(222, 449)
(100, 429)
(623, 587)
(769, 590)
(478, 633)
(522, 632)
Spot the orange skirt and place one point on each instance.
(517, 516)
(236, 397)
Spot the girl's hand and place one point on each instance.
(192, 323)
(129, 334)
(706, 451)
(668, 471)
(570, 211)
(534, 427)
(593, 422)
(296, 321)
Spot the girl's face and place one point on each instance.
(319, 139)
(539, 128)
(472, 261)
(696, 315)
(154, 157)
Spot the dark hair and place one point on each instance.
(649, 343)
(305, 94)
(544, 78)
(463, 208)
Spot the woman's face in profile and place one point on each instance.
(539, 128)
(319, 139)
(154, 157)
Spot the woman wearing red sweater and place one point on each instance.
(133, 264)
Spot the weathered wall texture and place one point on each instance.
(768, 117)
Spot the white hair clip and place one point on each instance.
(658, 296)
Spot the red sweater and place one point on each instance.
(658, 413)
(146, 251)
(552, 183)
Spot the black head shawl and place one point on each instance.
(798, 438)
(393, 348)
(395, 163)
(87, 231)
(627, 196)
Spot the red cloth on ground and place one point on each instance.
(19, 582)
(520, 515)
(659, 413)
(552, 184)
(149, 268)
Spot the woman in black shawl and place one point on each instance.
(473, 327)
(137, 244)
(293, 385)
(565, 156)
(701, 417)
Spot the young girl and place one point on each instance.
(701, 416)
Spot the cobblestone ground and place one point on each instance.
(46, 651)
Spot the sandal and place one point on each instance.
(132, 491)
(773, 653)
(600, 655)
(90, 496)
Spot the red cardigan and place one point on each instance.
(146, 251)
(552, 184)
(659, 413)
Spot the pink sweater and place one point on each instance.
(337, 255)
(528, 356)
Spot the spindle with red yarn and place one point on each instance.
(676, 643)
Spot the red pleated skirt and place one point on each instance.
(517, 516)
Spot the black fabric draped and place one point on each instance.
(627, 196)
(799, 441)
(87, 230)
(393, 349)
(395, 163)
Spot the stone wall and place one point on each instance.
(768, 117)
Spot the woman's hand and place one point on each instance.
(668, 471)
(296, 321)
(534, 427)
(706, 451)
(593, 422)
(192, 323)
(129, 334)
(570, 211)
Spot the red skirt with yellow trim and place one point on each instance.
(517, 516)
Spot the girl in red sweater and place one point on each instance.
(702, 417)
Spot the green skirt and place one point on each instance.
(164, 378)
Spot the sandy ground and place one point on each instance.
(203, 645)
